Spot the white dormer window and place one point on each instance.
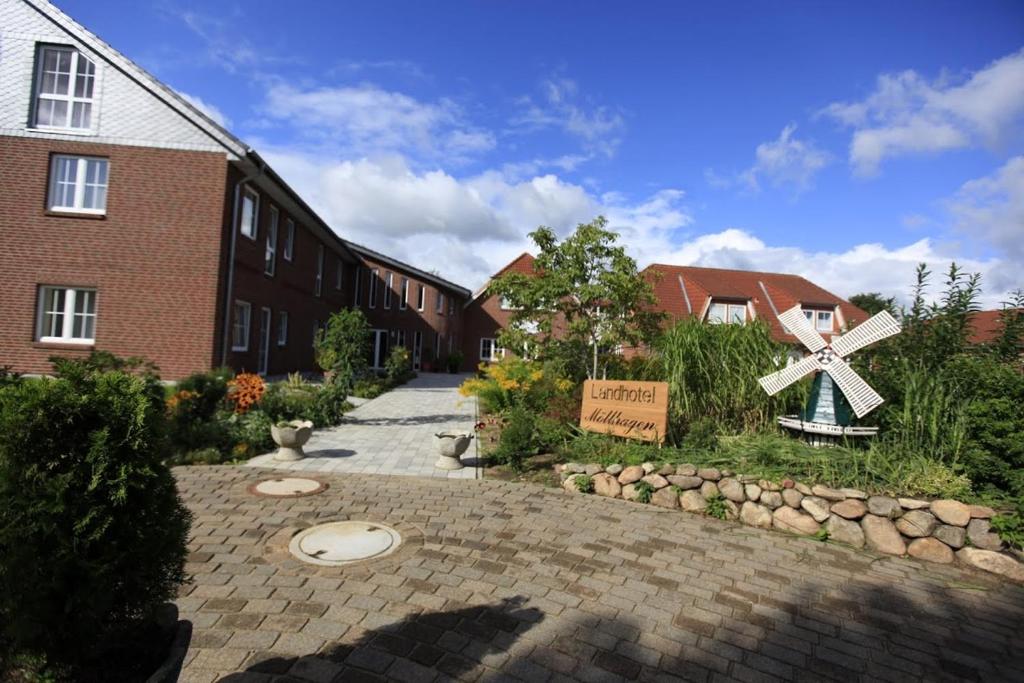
(822, 320)
(720, 314)
(65, 79)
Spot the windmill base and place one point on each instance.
(822, 433)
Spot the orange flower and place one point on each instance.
(245, 391)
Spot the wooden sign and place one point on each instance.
(638, 410)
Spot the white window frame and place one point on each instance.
(339, 275)
(816, 315)
(403, 301)
(282, 328)
(318, 284)
(729, 309)
(496, 352)
(68, 314)
(252, 230)
(421, 301)
(70, 98)
(270, 254)
(81, 175)
(263, 344)
(240, 324)
(389, 282)
(289, 239)
(440, 303)
(374, 273)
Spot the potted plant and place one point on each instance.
(451, 445)
(291, 436)
(455, 359)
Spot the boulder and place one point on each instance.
(709, 473)
(991, 561)
(951, 512)
(747, 478)
(827, 493)
(606, 485)
(792, 498)
(732, 489)
(851, 508)
(913, 503)
(631, 474)
(592, 469)
(816, 507)
(854, 493)
(756, 515)
(788, 519)
(981, 512)
(709, 489)
(844, 531)
(684, 482)
(656, 480)
(881, 535)
(752, 491)
(930, 550)
(916, 524)
(614, 470)
(570, 482)
(979, 533)
(666, 498)
(692, 501)
(768, 485)
(884, 506)
(686, 470)
(802, 488)
(648, 467)
(953, 536)
(666, 470)
(629, 492)
(732, 510)
(788, 483)
(574, 468)
(771, 499)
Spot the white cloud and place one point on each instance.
(210, 110)
(908, 114)
(785, 161)
(562, 107)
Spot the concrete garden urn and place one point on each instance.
(451, 445)
(291, 436)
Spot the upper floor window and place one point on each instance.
(388, 284)
(490, 351)
(78, 184)
(270, 255)
(422, 299)
(65, 79)
(373, 288)
(289, 239)
(250, 213)
(318, 286)
(339, 276)
(440, 303)
(822, 320)
(727, 313)
(67, 315)
(403, 302)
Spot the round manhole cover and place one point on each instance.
(339, 543)
(288, 487)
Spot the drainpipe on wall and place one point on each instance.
(228, 293)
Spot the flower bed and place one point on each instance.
(940, 531)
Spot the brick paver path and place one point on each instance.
(498, 581)
(393, 433)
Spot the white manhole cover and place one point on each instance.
(288, 486)
(340, 543)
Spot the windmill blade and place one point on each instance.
(876, 328)
(798, 325)
(861, 397)
(777, 381)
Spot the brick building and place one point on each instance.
(486, 316)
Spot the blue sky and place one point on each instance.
(844, 142)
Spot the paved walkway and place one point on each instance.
(393, 433)
(497, 581)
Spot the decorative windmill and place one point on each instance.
(837, 388)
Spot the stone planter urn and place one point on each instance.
(290, 438)
(451, 445)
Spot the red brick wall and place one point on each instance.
(484, 318)
(153, 258)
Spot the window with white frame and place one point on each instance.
(506, 305)
(78, 184)
(373, 288)
(65, 80)
(240, 326)
(339, 276)
(440, 302)
(403, 302)
(289, 239)
(822, 320)
(67, 315)
(421, 301)
(388, 284)
(318, 285)
(720, 313)
(270, 255)
(282, 328)
(250, 218)
(490, 351)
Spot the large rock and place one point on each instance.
(592, 469)
(570, 482)
(951, 512)
(880, 535)
(768, 485)
(732, 510)
(656, 480)
(614, 470)
(953, 536)
(788, 519)
(792, 497)
(649, 467)
(709, 473)
(913, 503)
(979, 533)
(692, 501)
(916, 524)
(629, 492)
(884, 506)
(666, 470)
(666, 498)
(851, 508)
(982, 512)
(991, 561)
(771, 499)
(803, 488)
(606, 485)
(684, 482)
(816, 507)
(753, 491)
(574, 468)
(930, 550)
(709, 489)
(827, 493)
(756, 515)
(631, 474)
(844, 531)
(732, 489)
(686, 470)
(854, 493)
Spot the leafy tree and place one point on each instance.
(342, 347)
(874, 302)
(583, 301)
(1009, 345)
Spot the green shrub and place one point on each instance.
(330, 405)
(644, 491)
(201, 456)
(517, 439)
(398, 366)
(584, 483)
(207, 392)
(369, 387)
(250, 434)
(342, 346)
(454, 361)
(92, 533)
(702, 435)
(1010, 526)
(550, 434)
(8, 376)
(716, 507)
(284, 402)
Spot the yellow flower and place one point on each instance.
(536, 375)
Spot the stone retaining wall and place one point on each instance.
(941, 531)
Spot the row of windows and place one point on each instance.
(403, 294)
(736, 314)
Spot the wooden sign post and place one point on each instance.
(638, 410)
